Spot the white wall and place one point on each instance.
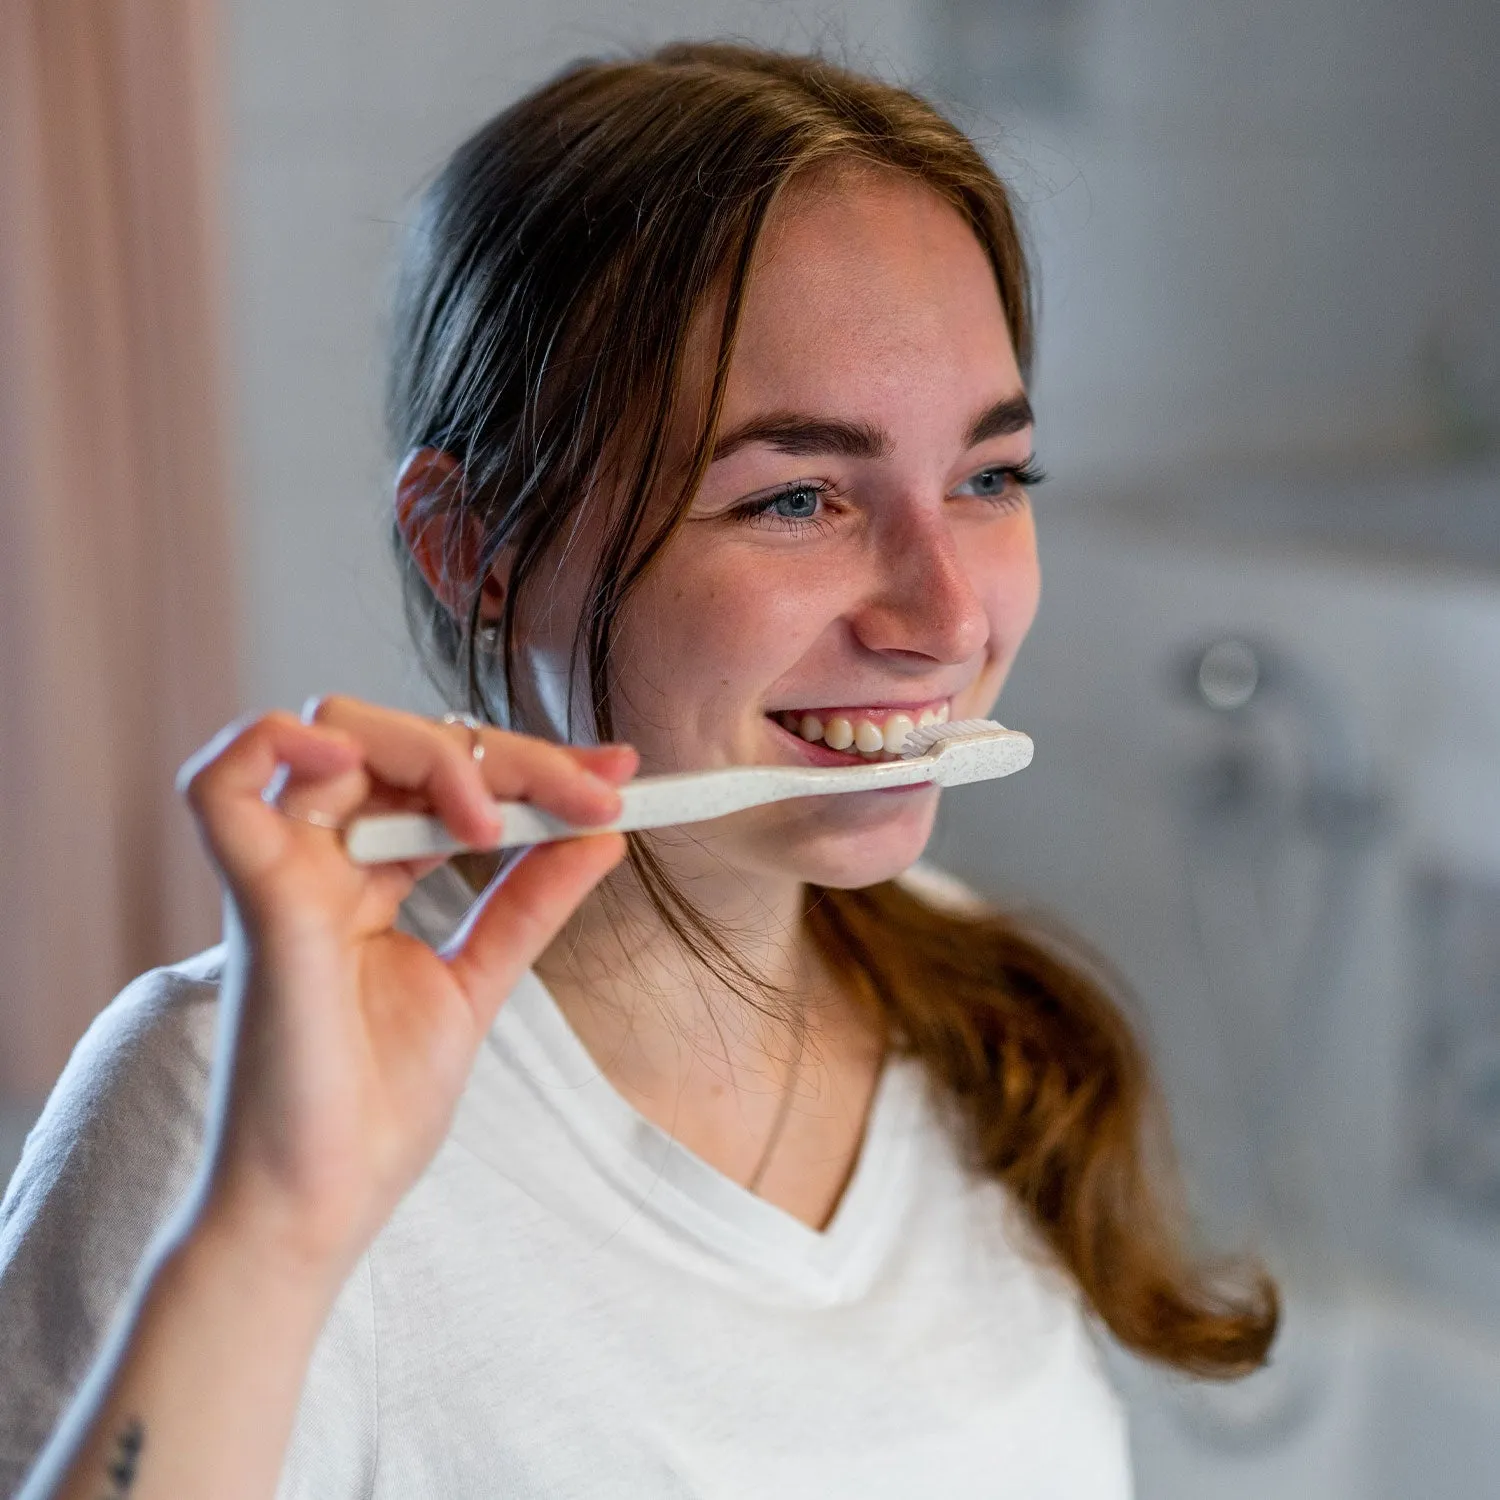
(1254, 217)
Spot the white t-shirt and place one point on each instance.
(568, 1303)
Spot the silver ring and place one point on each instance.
(476, 743)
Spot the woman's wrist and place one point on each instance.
(262, 1249)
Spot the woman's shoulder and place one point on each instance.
(113, 1153)
(143, 1062)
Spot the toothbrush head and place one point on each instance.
(969, 750)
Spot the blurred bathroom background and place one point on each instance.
(1264, 685)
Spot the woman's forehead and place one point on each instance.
(871, 281)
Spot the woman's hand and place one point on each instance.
(354, 1040)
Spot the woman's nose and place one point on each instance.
(923, 600)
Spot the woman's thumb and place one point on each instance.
(522, 912)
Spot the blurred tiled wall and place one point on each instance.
(1097, 829)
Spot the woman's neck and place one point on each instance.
(767, 1074)
(653, 1013)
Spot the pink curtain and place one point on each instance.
(117, 608)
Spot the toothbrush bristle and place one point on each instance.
(927, 739)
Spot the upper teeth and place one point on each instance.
(868, 733)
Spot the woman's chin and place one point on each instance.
(855, 846)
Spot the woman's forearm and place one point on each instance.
(354, 1042)
(200, 1399)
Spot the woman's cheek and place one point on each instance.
(1009, 584)
(753, 608)
(1014, 582)
(692, 646)
(1017, 605)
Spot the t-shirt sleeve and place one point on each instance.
(113, 1154)
(113, 1157)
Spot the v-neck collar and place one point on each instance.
(672, 1184)
(658, 1176)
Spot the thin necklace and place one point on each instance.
(779, 1123)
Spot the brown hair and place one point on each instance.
(545, 299)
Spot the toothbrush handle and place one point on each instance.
(650, 802)
(391, 836)
(647, 803)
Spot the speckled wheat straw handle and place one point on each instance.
(947, 754)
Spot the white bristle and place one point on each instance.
(925, 740)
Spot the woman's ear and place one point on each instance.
(445, 540)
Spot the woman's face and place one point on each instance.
(861, 554)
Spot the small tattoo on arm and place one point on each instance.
(127, 1456)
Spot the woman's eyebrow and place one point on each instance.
(1008, 415)
(804, 435)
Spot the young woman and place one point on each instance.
(755, 1163)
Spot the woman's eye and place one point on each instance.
(1003, 480)
(800, 504)
(989, 482)
(799, 508)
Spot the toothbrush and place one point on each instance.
(944, 754)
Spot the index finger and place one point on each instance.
(435, 760)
